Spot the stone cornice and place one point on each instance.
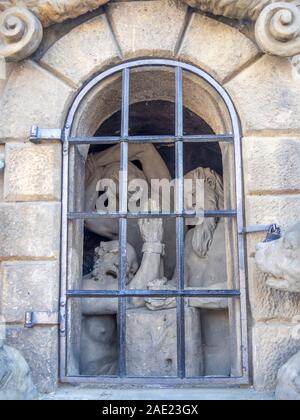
(277, 28)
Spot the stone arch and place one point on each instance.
(101, 98)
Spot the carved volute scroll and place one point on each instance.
(20, 33)
(277, 29)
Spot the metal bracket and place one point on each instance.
(257, 229)
(41, 318)
(37, 135)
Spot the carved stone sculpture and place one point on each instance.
(99, 354)
(15, 379)
(288, 381)
(277, 28)
(205, 243)
(279, 260)
(237, 9)
(99, 326)
(205, 268)
(106, 165)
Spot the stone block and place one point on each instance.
(216, 342)
(83, 51)
(267, 303)
(39, 346)
(152, 344)
(265, 210)
(273, 346)
(32, 172)
(272, 164)
(147, 28)
(29, 230)
(32, 96)
(212, 46)
(28, 286)
(267, 96)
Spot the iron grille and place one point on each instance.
(180, 215)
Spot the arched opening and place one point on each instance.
(153, 294)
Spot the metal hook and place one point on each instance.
(274, 233)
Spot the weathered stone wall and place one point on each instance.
(266, 92)
(30, 194)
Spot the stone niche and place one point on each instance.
(211, 327)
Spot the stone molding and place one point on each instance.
(277, 29)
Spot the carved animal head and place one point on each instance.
(288, 387)
(214, 200)
(280, 260)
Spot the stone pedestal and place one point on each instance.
(152, 342)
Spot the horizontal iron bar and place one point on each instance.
(256, 229)
(152, 293)
(153, 139)
(145, 215)
(40, 318)
(39, 134)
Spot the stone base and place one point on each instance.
(216, 342)
(152, 342)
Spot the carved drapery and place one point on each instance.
(277, 28)
(236, 9)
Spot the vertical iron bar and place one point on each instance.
(241, 247)
(64, 256)
(179, 204)
(123, 222)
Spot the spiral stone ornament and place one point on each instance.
(277, 29)
(20, 33)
